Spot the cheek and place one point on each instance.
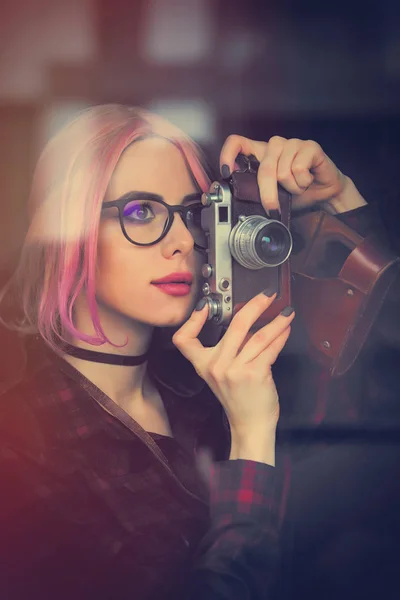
(120, 267)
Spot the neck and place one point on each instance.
(128, 386)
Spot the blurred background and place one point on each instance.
(323, 71)
(328, 71)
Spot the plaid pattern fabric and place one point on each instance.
(243, 510)
(95, 507)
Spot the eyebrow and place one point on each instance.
(192, 197)
(142, 195)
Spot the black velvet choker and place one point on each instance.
(104, 357)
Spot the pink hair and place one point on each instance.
(58, 258)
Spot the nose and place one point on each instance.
(179, 236)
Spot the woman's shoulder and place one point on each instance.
(22, 406)
(19, 425)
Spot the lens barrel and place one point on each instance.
(257, 242)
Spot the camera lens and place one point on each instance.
(256, 242)
(273, 243)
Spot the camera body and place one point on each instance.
(247, 252)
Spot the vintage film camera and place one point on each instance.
(248, 252)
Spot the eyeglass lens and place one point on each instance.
(144, 222)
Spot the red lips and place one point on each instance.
(181, 277)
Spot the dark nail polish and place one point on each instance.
(275, 214)
(225, 171)
(268, 292)
(201, 303)
(287, 311)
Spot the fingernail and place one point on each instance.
(268, 292)
(275, 214)
(287, 311)
(201, 303)
(225, 171)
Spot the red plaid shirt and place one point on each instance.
(93, 506)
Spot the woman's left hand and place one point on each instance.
(301, 167)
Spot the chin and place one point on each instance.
(177, 315)
(178, 319)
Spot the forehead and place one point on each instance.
(151, 165)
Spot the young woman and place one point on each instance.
(103, 492)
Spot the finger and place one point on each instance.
(285, 173)
(267, 358)
(185, 339)
(307, 158)
(264, 337)
(228, 347)
(246, 339)
(237, 144)
(267, 175)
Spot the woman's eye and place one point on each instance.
(139, 211)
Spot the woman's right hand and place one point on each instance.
(238, 368)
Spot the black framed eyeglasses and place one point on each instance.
(146, 218)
